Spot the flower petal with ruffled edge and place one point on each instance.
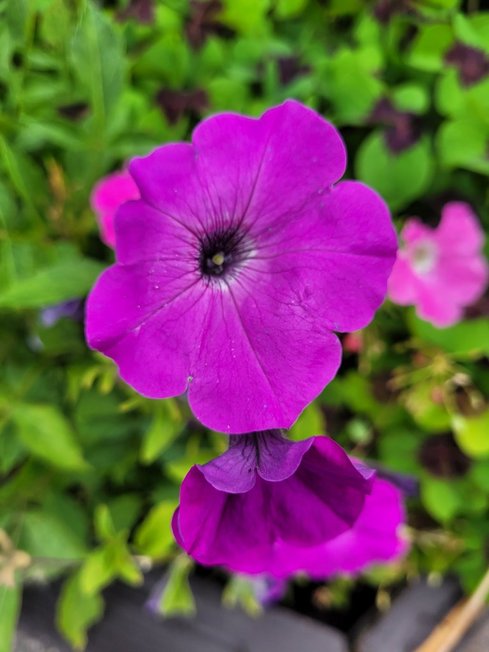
(237, 264)
(317, 495)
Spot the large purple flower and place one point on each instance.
(236, 265)
(266, 494)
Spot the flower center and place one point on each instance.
(423, 257)
(222, 252)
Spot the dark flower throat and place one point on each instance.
(221, 252)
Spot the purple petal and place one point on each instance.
(374, 538)
(248, 166)
(168, 181)
(263, 349)
(268, 454)
(152, 345)
(342, 253)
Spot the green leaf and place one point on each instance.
(479, 474)
(449, 96)
(459, 102)
(46, 433)
(429, 47)
(56, 23)
(46, 534)
(240, 591)
(398, 450)
(98, 570)
(289, 8)
(465, 32)
(479, 23)
(246, 16)
(431, 416)
(125, 510)
(77, 611)
(399, 178)
(54, 284)
(10, 598)
(107, 563)
(310, 423)
(441, 498)
(463, 143)
(352, 85)
(11, 449)
(104, 525)
(468, 338)
(344, 7)
(26, 179)
(227, 94)
(165, 426)
(154, 536)
(97, 57)
(177, 598)
(472, 434)
(16, 18)
(99, 419)
(411, 97)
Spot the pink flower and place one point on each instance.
(111, 192)
(237, 264)
(441, 270)
(269, 505)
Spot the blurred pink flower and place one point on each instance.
(441, 270)
(353, 342)
(111, 192)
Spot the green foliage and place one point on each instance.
(240, 592)
(47, 435)
(77, 611)
(10, 599)
(399, 178)
(177, 598)
(471, 434)
(51, 285)
(89, 471)
(154, 537)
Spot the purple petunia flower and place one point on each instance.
(266, 494)
(236, 266)
(108, 195)
(375, 537)
(441, 270)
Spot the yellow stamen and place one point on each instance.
(218, 259)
